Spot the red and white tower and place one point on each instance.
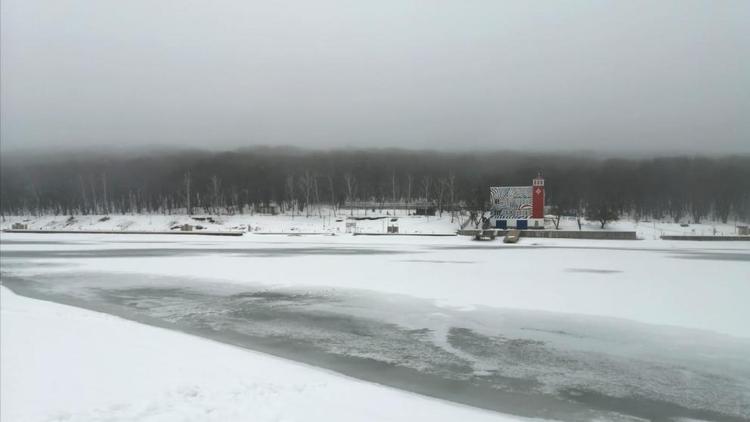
(537, 202)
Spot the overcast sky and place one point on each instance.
(624, 75)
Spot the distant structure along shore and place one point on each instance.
(519, 207)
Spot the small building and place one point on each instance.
(20, 226)
(519, 207)
(393, 226)
(421, 207)
(743, 230)
(207, 218)
(186, 228)
(270, 208)
(427, 210)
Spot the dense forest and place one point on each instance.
(303, 181)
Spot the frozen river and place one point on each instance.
(321, 301)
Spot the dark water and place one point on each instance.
(534, 364)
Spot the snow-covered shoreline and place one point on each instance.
(335, 223)
(325, 223)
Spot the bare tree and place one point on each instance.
(93, 194)
(426, 184)
(187, 193)
(409, 183)
(333, 193)
(316, 191)
(558, 212)
(85, 205)
(351, 190)
(104, 192)
(236, 207)
(393, 190)
(37, 201)
(602, 213)
(306, 185)
(215, 194)
(441, 186)
(290, 194)
(131, 202)
(451, 186)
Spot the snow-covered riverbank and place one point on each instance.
(335, 223)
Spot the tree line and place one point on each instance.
(304, 182)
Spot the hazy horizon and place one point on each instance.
(613, 78)
(104, 154)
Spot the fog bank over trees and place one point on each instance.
(690, 188)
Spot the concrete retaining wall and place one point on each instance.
(689, 237)
(561, 234)
(406, 234)
(572, 234)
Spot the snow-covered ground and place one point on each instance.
(61, 363)
(328, 222)
(318, 223)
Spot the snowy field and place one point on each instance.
(549, 328)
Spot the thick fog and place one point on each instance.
(665, 76)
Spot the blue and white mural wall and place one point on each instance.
(511, 202)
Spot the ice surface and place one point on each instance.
(689, 284)
(579, 329)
